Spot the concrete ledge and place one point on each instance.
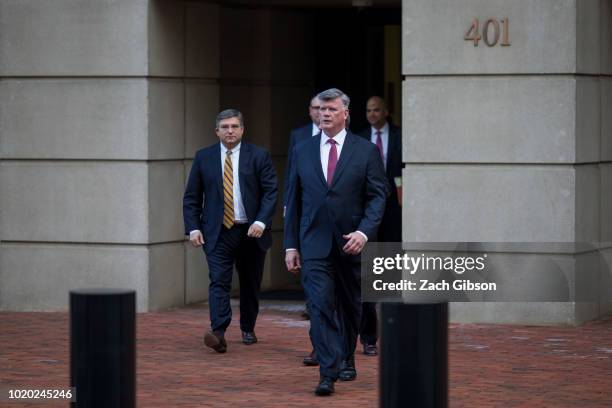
(546, 36)
(501, 120)
(165, 204)
(493, 203)
(85, 202)
(166, 116)
(38, 277)
(166, 276)
(553, 313)
(73, 118)
(73, 37)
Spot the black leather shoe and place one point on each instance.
(249, 338)
(347, 370)
(311, 359)
(216, 341)
(370, 350)
(325, 387)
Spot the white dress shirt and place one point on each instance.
(240, 216)
(384, 135)
(315, 129)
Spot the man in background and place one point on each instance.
(388, 140)
(299, 135)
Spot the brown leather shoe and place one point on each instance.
(311, 359)
(370, 350)
(216, 341)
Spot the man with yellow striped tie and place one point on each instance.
(228, 206)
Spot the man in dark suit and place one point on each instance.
(335, 202)
(388, 140)
(300, 134)
(296, 136)
(237, 184)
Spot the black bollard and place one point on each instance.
(414, 355)
(102, 347)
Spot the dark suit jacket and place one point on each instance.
(390, 229)
(297, 135)
(316, 214)
(258, 187)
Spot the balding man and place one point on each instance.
(388, 140)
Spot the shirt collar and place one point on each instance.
(383, 130)
(339, 138)
(315, 129)
(235, 150)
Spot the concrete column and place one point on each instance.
(93, 103)
(509, 143)
(202, 53)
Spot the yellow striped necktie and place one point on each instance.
(228, 191)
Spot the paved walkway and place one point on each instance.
(490, 365)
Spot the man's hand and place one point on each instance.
(293, 261)
(355, 243)
(255, 231)
(196, 238)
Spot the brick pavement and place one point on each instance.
(490, 365)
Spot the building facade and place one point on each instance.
(507, 138)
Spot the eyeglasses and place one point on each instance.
(225, 128)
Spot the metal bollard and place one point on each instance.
(414, 355)
(103, 347)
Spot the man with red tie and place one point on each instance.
(388, 140)
(236, 183)
(335, 202)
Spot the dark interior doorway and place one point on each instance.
(359, 51)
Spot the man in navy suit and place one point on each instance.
(300, 134)
(335, 202)
(296, 136)
(388, 140)
(237, 184)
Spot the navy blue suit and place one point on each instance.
(390, 229)
(316, 218)
(297, 135)
(224, 247)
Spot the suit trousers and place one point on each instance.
(234, 247)
(368, 330)
(333, 290)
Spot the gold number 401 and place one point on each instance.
(473, 33)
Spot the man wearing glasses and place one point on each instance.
(227, 208)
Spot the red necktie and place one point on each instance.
(380, 145)
(333, 160)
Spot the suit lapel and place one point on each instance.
(245, 157)
(391, 150)
(315, 156)
(345, 157)
(217, 164)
